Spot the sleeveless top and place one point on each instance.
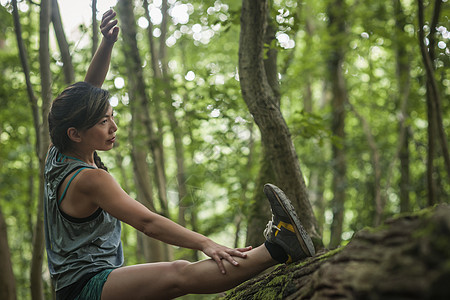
(76, 246)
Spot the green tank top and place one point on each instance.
(76, 247)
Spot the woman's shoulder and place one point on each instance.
(91, 180)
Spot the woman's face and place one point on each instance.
(102, 135)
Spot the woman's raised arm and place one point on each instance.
(99, 65)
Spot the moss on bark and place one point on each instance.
(408, 257)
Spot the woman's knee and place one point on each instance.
(180, 264)
(181, 274)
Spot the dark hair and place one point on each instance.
(80, 105)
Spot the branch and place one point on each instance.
(33, 3)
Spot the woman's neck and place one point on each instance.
(78, 155)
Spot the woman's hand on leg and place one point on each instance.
(218, 252)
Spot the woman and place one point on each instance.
(84, 206)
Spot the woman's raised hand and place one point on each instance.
(108, 26)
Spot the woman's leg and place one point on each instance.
(174, 279)
(287, 242)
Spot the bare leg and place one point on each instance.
(174, 279)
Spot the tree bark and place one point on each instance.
(316, 177)
(262, 102)
(162, 87)
(162, 91)
(68, 70)
(336, 28)
(142, 131)
(403, 79)
(37, 290)
(157, 61)
(406, 258)
(36, 263)
(26, 71)
(94, 28)
(41, 129)
(434, 106)
(378, 200)
(7, 280)
(260, 209)
(240, 211)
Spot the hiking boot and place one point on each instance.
(285, 229)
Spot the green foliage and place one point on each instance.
(222, 149)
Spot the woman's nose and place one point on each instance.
(114, 126)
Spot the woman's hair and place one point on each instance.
(81, 105)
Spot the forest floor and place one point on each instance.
(408, 257)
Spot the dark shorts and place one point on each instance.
(93, 288)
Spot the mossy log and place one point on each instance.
(408, 257)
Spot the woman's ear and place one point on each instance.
(73, 134)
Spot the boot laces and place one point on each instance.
(269, 227)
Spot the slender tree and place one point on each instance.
(317, 173)
(434, 106)
(379, 202)
(403, 82)
(279, 155)
(157, 59)
(260, 208)
(7, 279)
(336, 27)
(41, 129)
(94, 27)
(68, 70)
(163, 94)
(142, 131)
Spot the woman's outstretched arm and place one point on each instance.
(99, 65)
(102, 190)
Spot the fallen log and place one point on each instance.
(408, 257)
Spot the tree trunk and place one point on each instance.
(36, 281)
(69, 72)
(406, 258)
(149, 250)
(405, 184)
(262, 102)
(260, 208)
(94, 28)
(162, 87)
(7, 280)
(378, 200)
(434, 106)
(336, 28)
(403, 79)
(431, 153)
(316, 188)
(307, 92)
(157, 59)
(259, 211)
(241, 210)
(26, 71)
(316, 177)
(41, 129)
(142, 131)
(193, 191)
